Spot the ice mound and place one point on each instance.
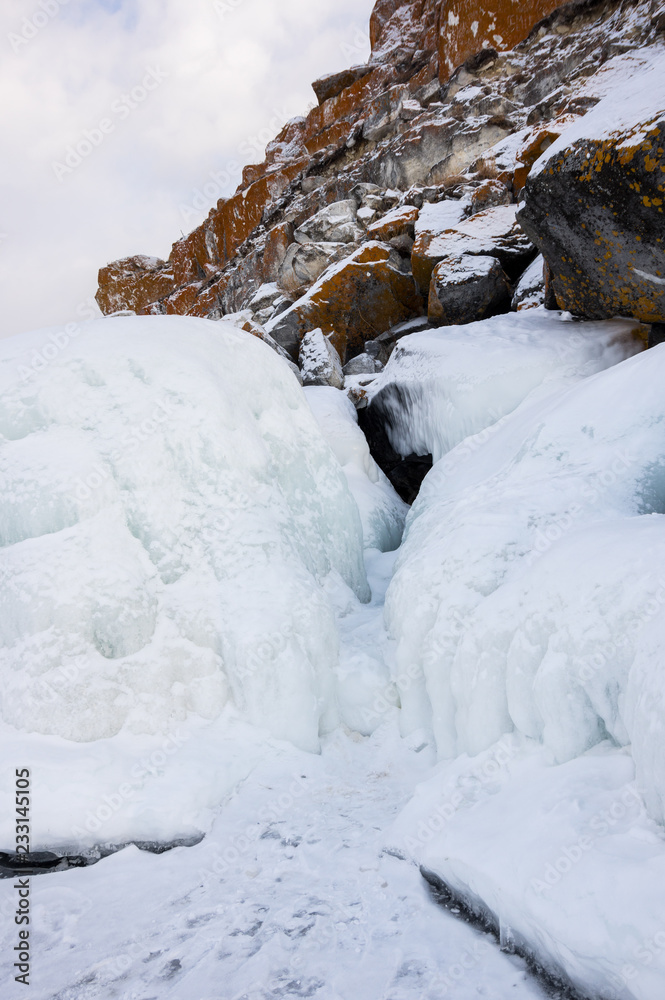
(441, 386)
(381, 510)
(562, 859)
(528, 613)
(532, 560)
(172, 521)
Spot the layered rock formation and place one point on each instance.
(393, 205)
(444, 112)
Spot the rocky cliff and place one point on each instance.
(394, 201)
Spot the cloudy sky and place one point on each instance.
(166, 99)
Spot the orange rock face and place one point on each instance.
(467, 26)
(456, 29)
(540, 139)
(415, 44)
(133, 283)
(399, 222)
(364, 296)
(334, 83)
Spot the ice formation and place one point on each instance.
(538, 546)
(562, 859)
(183, 578)
(381, 510)
(170, 515)
(441, 386)
(527, 613)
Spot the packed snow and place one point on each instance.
(290, 895)
(211, 634)
(562, 860)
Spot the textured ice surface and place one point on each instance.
(441, 386)
(170, 516)
(381, 510)
(182, 560)
(563, 857)
(529, 600)
(533, 557)
(289, 896)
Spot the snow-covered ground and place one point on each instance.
(494, 712)
(290, 895)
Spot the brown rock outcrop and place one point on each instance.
(392, 124)
(354, 301)
(467, 26)
(334, 83)
(467, 288)
(134, 283)
(398, 222)
(492, 233)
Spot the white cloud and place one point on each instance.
(233, 72)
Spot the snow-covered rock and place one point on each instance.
(433, 220)
(335, 224)
(353, 301)
(467, 288)
(319, 361)
(493, 232)
(362, 364)
(306, 262)
(530, 289)
(607, 168)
